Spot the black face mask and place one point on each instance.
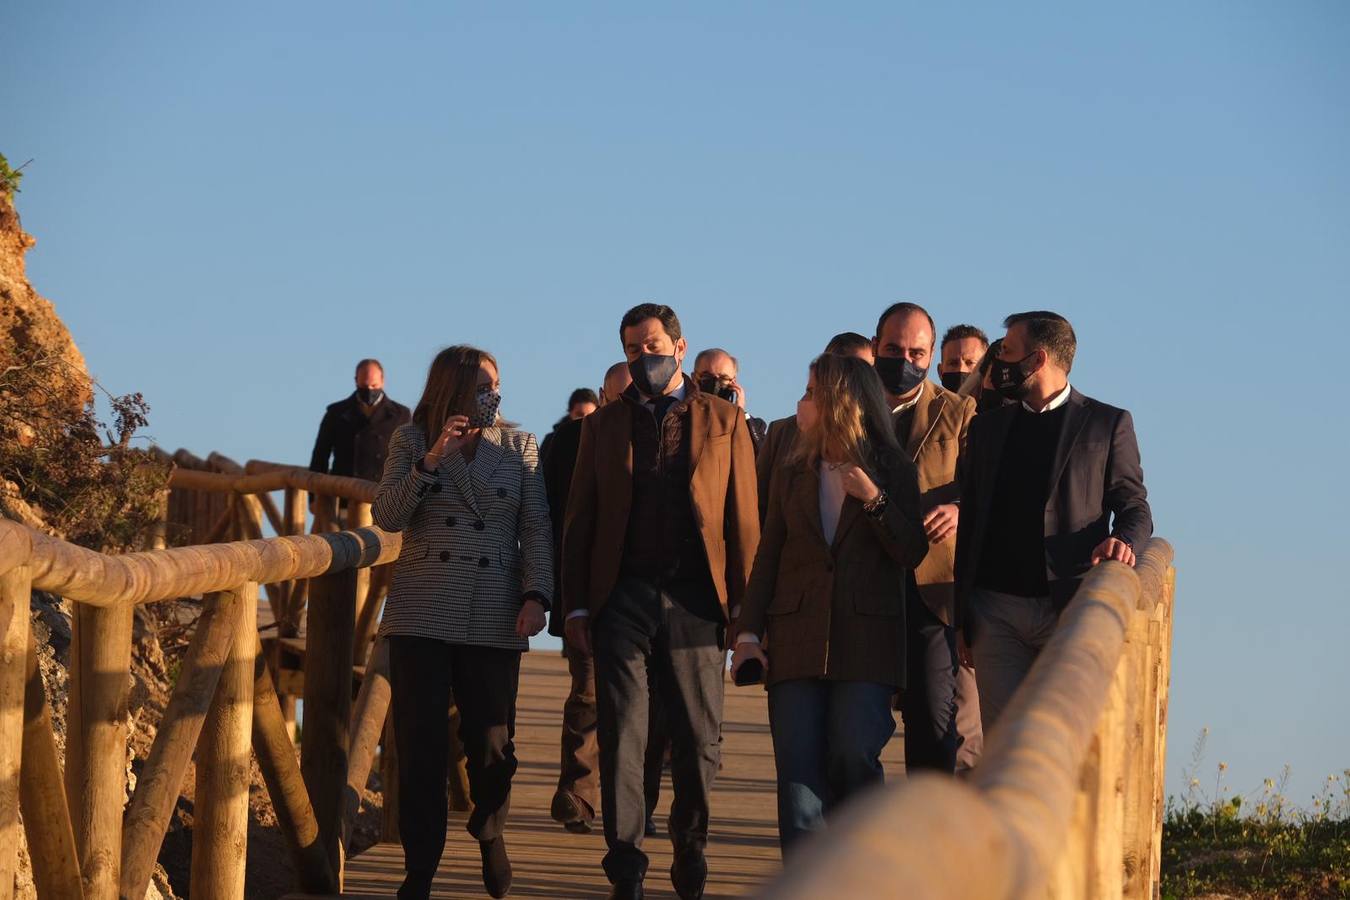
(898, 375)
(952, 381)
(369, 396)
(652, 373)
(1009, 378)
(711, 384)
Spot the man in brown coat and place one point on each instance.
(931, 424)
(662, 527)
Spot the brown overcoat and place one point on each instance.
(721, 488)
(936, 440)
(835, 610)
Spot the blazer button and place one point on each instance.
(436, 488)
(501, 492)
(482, 562)
(445, 556)
(449, 521)
(479, 525)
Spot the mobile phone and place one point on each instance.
(750, 672)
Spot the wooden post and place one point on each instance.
(16, 587)
(368, 613)
(46, 817)
(372, 707)
(358, 516)
(220, 826)
(389, 778)
(162, 777)
(295, 815)
(1141, 734)
(1163, 650)
(295, 511)
(96, 741)
(328, 703)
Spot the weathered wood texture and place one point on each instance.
(15, 586)
(161, 779)
(220, 824)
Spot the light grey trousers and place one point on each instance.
(1008, 633)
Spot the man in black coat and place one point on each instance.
(355, 432)
(1051, 486)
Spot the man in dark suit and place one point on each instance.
(355, 432)
(1051, 486)
(660, 536)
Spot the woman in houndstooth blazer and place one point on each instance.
(471, 586)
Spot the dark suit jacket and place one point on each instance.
(559, 459)
(721, 488)
(835, 610)
(772, 453)
(1096, 491)
(936, 439)
(357, 445)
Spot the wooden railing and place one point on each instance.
(82, 840)
(1067, 801)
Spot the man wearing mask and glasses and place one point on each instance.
(931, 423)
(355, 431)
(1051, 486)
(661, 531)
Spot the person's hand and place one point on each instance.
(530, 621)
(941, 521)
(747, 650)
(577, 630)
(857, 483)
(963, 653)
(1113, 548)
(740, 394)
(453, 436)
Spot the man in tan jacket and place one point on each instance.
(931, 424)
(662, 527)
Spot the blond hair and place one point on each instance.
(853, 421)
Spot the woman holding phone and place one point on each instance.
(824, 612)
(471, 586)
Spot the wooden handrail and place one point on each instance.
(1019, 824)
(275, 478)
(97, 579)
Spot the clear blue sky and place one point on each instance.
(234, 203)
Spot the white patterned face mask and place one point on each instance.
(485, 414)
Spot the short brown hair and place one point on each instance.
(369, 362)
(906, 307)
(644, 311)
(847, 343)
(1050, 332)
(715, 351)
(961, 332)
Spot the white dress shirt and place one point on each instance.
(1055, 402)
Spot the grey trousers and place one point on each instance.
(642, 628)
(1007, 633)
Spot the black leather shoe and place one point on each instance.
(650, 828)
(626, 890)
(415, 887)
(689, 874)
(496, 867)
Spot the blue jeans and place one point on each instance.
(827, 742)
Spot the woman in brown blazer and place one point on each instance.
(824, 612)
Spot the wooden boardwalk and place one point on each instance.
(551, 863)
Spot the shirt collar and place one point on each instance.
(1055, 402)
(679, 395)
(910, 404)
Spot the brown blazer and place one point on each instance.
(721, 487)
(773, 451)
(936, 440)
(835, 610)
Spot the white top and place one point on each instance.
(832, 495)
(1055, 402)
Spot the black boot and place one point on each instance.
(689, 874)
(415, 887)
(496, 867)
(626, 890)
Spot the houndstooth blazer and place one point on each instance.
(475, 539)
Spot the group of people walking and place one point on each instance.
(896, 545)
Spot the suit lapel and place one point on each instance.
(847, 517)
(485, 463)
(927, 416)
(1075, 417)
(804, 493)
(458, 470)
(1000, 422)
(699, 423)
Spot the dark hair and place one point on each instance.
(714, 351)
(896, 309)
(961, 332)
(644, 311)
(582, 395)
(1050, 332)
(369, 362)
(452, 382)
(847, 343)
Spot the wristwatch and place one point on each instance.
(877, 506)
